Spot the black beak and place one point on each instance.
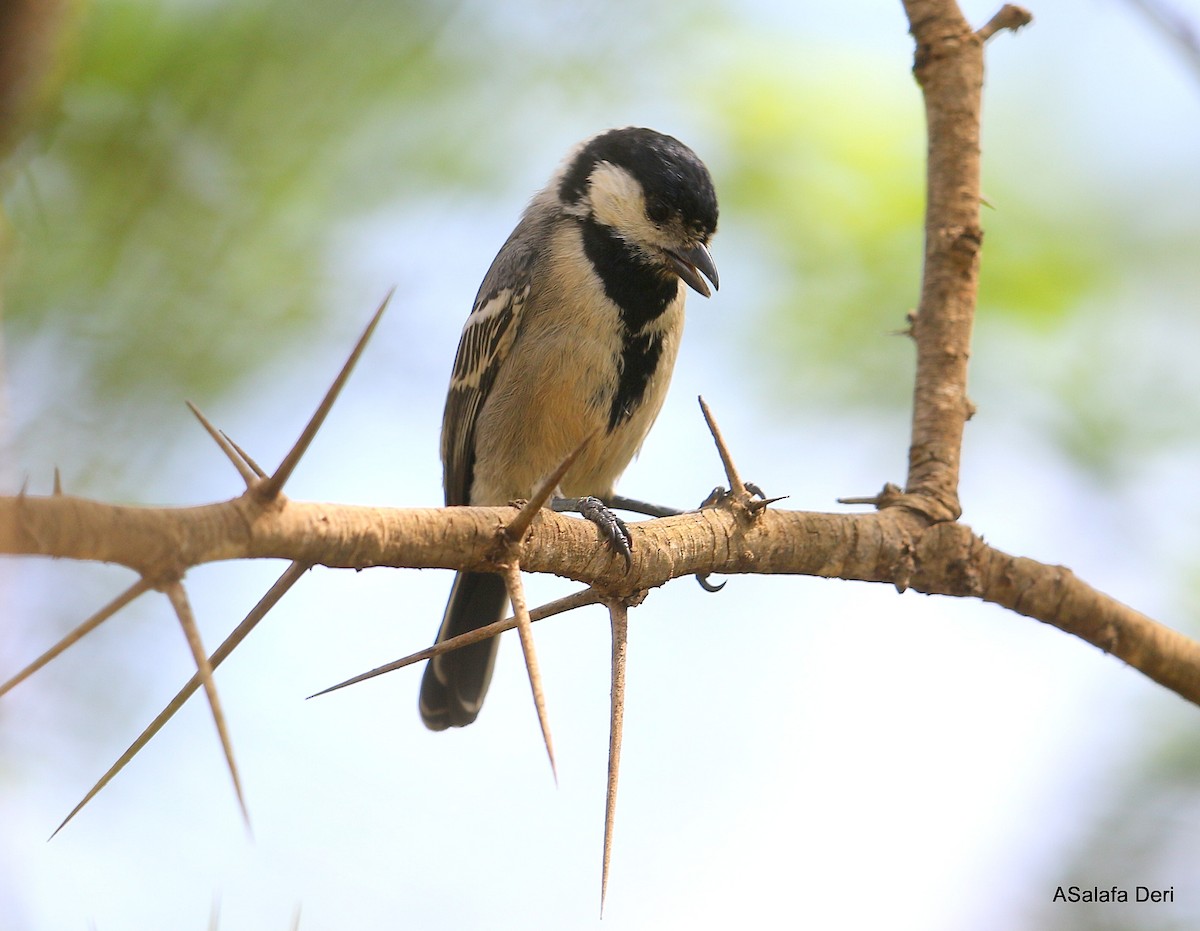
(688, 262)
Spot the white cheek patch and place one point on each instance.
(618, 202)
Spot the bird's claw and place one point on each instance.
(720, 493)
(612, 529)
(715, 497)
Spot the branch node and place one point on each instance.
(1009, 16)
(890, 494)
(910, 320)
(746, 498)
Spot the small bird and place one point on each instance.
(573, 336)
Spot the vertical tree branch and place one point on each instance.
(948, 64)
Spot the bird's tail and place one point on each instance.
(455, 683)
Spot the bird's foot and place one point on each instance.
(612, 529)
(715, 497)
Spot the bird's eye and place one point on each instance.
(657, 211)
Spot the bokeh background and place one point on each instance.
(205, 200)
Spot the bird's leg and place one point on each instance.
(657, 510)
(720, 493)
(613, 530)
(621, 503)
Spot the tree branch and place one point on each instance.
(948, 64)
(894, 545)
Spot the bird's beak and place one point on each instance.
(689, 262)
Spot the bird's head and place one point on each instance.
(653, 192)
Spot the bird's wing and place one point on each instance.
(486, 340)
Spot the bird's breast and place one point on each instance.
(578, 371)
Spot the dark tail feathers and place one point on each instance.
(455, 683)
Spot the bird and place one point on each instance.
(570, 343)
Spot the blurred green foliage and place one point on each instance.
(172, 216)
(174, 213)
(171, 219)
(1087, 291)
(826, 168)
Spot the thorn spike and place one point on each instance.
(187, 620)
(731, 474)
(618, 615)
(759, 504)
(579, 599)
(516, 594)
(255, 467)
(219, 655)
(516, 529)
(274, 485)
(141, 586)
(223, 442)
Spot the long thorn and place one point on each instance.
(239, 633)
(731, 473)
(57, 482)
(274, 485)
(223, 442)
(757, 504)
(187, 620)
(254, 466)
(137, 588)
(516, 594)
(516, 529)
(620, 628)
(579, 599)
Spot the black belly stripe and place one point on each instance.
(641, 291)
(639, 360)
